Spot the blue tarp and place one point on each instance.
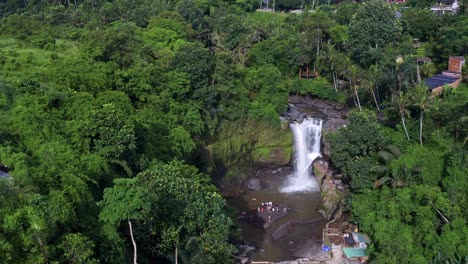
(4, 175)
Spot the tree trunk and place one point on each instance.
(357, 97)
(375, 100)
(176, 257)
(404, 126)
(421, 127)
(399, 82)
(378, 93)
(354, 97)
(418, 71)
(43, 248)
(133, 242)
(335, 85)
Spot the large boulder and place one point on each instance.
(331, 197)
(321, 169)
(330, 203)
(253, 184)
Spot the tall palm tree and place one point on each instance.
(423, 100)
(325, 58)
(420, 53)
(354, 75)
(341, 63)
(190, 252)
(403, 72)
(401, 104)
(373, 76)
(387, 171)
(384, 171)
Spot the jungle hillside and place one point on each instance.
(108, 110)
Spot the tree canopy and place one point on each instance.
(112, 113)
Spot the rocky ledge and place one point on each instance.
(331, 189)
(333, 114)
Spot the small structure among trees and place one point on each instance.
(446, 7)
(4, 172)
(455, 66)
(266, 7)
(450, 77)
(306, 73)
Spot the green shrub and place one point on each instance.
(264, 112)
(317, 87)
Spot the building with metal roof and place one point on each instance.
(355, 253)
(451, 77)
(439, 80)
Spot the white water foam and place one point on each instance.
(306, 149)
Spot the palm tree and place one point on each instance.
(325, 59)
(354, 75)
(190, 252)
(373, 76)
(340, 65)
(420, 53)
(386, 156)
(421, 99)
(388, 173)
(403, 72)
(401, 104)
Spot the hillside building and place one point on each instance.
(446, 7)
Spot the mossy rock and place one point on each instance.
(242, 148)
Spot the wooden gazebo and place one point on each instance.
(306, 73)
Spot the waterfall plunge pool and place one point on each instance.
(298, 233)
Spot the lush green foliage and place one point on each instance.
(354, 146)
(410, 198)
(171, 204)
(318, 87)
(101, 100)
(373, 27)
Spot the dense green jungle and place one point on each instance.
(115, 114)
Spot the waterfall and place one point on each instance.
(306, 149)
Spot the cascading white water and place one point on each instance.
(306, 149)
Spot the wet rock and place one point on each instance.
(321, 169)
(326, 149)
(334, 124)
(300, 107)
(331, 198)
(254, 184)
(293, 114)
(244, 250)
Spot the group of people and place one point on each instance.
(269, 207)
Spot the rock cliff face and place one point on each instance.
(244, 149)
(333, 114)
(330, 196)
(334, 117)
